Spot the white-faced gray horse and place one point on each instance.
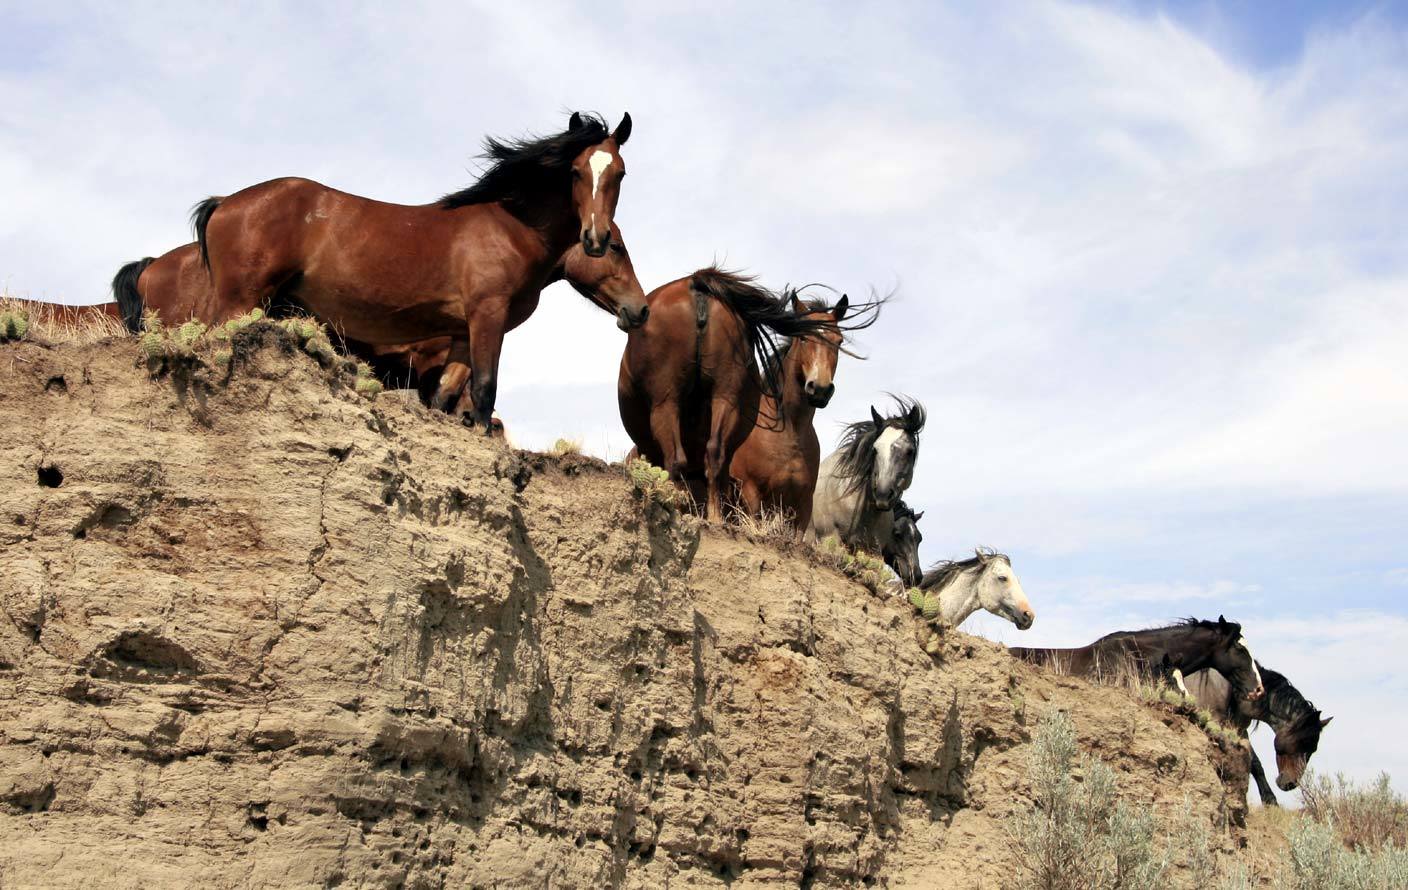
(860, 483)
(983, 581)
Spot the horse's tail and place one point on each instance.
(129, 299)
(768, 317)
(200, 218)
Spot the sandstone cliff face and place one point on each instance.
(268, 633)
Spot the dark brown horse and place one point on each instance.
(469, 266)
(1296, 722)
(692, 379)
(1164, 653)
(775, 466)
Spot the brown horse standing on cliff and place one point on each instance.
(177, 287)
(691, 381)
(775, 467)
(469, 266)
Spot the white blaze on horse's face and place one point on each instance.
(598, 163)
(1001, 593)
(894, 465)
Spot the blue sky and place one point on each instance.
(1151, 272)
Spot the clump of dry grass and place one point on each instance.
(774, 526)
(1365, 817)
(564, 447)
(51, 323)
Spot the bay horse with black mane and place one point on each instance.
(860, 482)
(469, 266)
(1160, 654)
(177, 288)
(692, 380)
(775, 467)
(1296, 722)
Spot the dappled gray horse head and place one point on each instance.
(880, 455)
(901, 551)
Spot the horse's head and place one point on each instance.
(596, 183)
(901, 552)
(896, 452)
(815, 357)
(609, 281)
(1233, 659)
(1000, 592)
(1295, 742)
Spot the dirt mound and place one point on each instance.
(259, 630)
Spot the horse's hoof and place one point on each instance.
(1269, 802)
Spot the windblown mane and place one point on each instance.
(857, 460)
(1285, 701)
(1197, 623)
(518, 167)
(941, 573)
(768, 316)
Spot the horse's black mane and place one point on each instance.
(1285, 701)
(768, 316)
(517, 166)
(857, 460)
(941, 573)
(1231, 627)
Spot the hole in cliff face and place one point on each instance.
(142, 655)
(57, 383)
(50, 476)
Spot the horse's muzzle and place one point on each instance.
(1023, 618)
(819, 396)
(627, 320)
(595, 245)
(1256, 693)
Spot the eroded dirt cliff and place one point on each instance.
(266, 632)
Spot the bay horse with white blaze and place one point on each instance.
(775, 467)
(177, 288)
(1162, 653)
(469, 266)
(1296, 722)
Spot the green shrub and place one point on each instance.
(1080, 835)
(1367, 818)
(14, 324)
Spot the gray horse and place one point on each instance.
(859, 484)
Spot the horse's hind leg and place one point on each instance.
(723, 426)
(665, 430)
(453, 377)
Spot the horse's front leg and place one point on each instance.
(486, 340)
(453, 377)
(1263, 787)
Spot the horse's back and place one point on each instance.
(1211, 689)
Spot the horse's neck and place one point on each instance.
(547, 222)
(795, 410)
(1193, 654)
(1282, 703)
(959, 598)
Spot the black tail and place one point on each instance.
(200, 218)
(766, 315)
(129, 299)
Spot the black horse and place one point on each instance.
(1296, 722)
(1162, 653)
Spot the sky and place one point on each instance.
(1149, 261)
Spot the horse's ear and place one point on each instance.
(1326, 722)
(915, 418)
(797, 306)
(875, 418)
(838, 311)
(918, 516)
(982, 557)
(1221, 621)
(575, 122)
(623, 129)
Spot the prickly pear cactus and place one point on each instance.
(930, 607)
